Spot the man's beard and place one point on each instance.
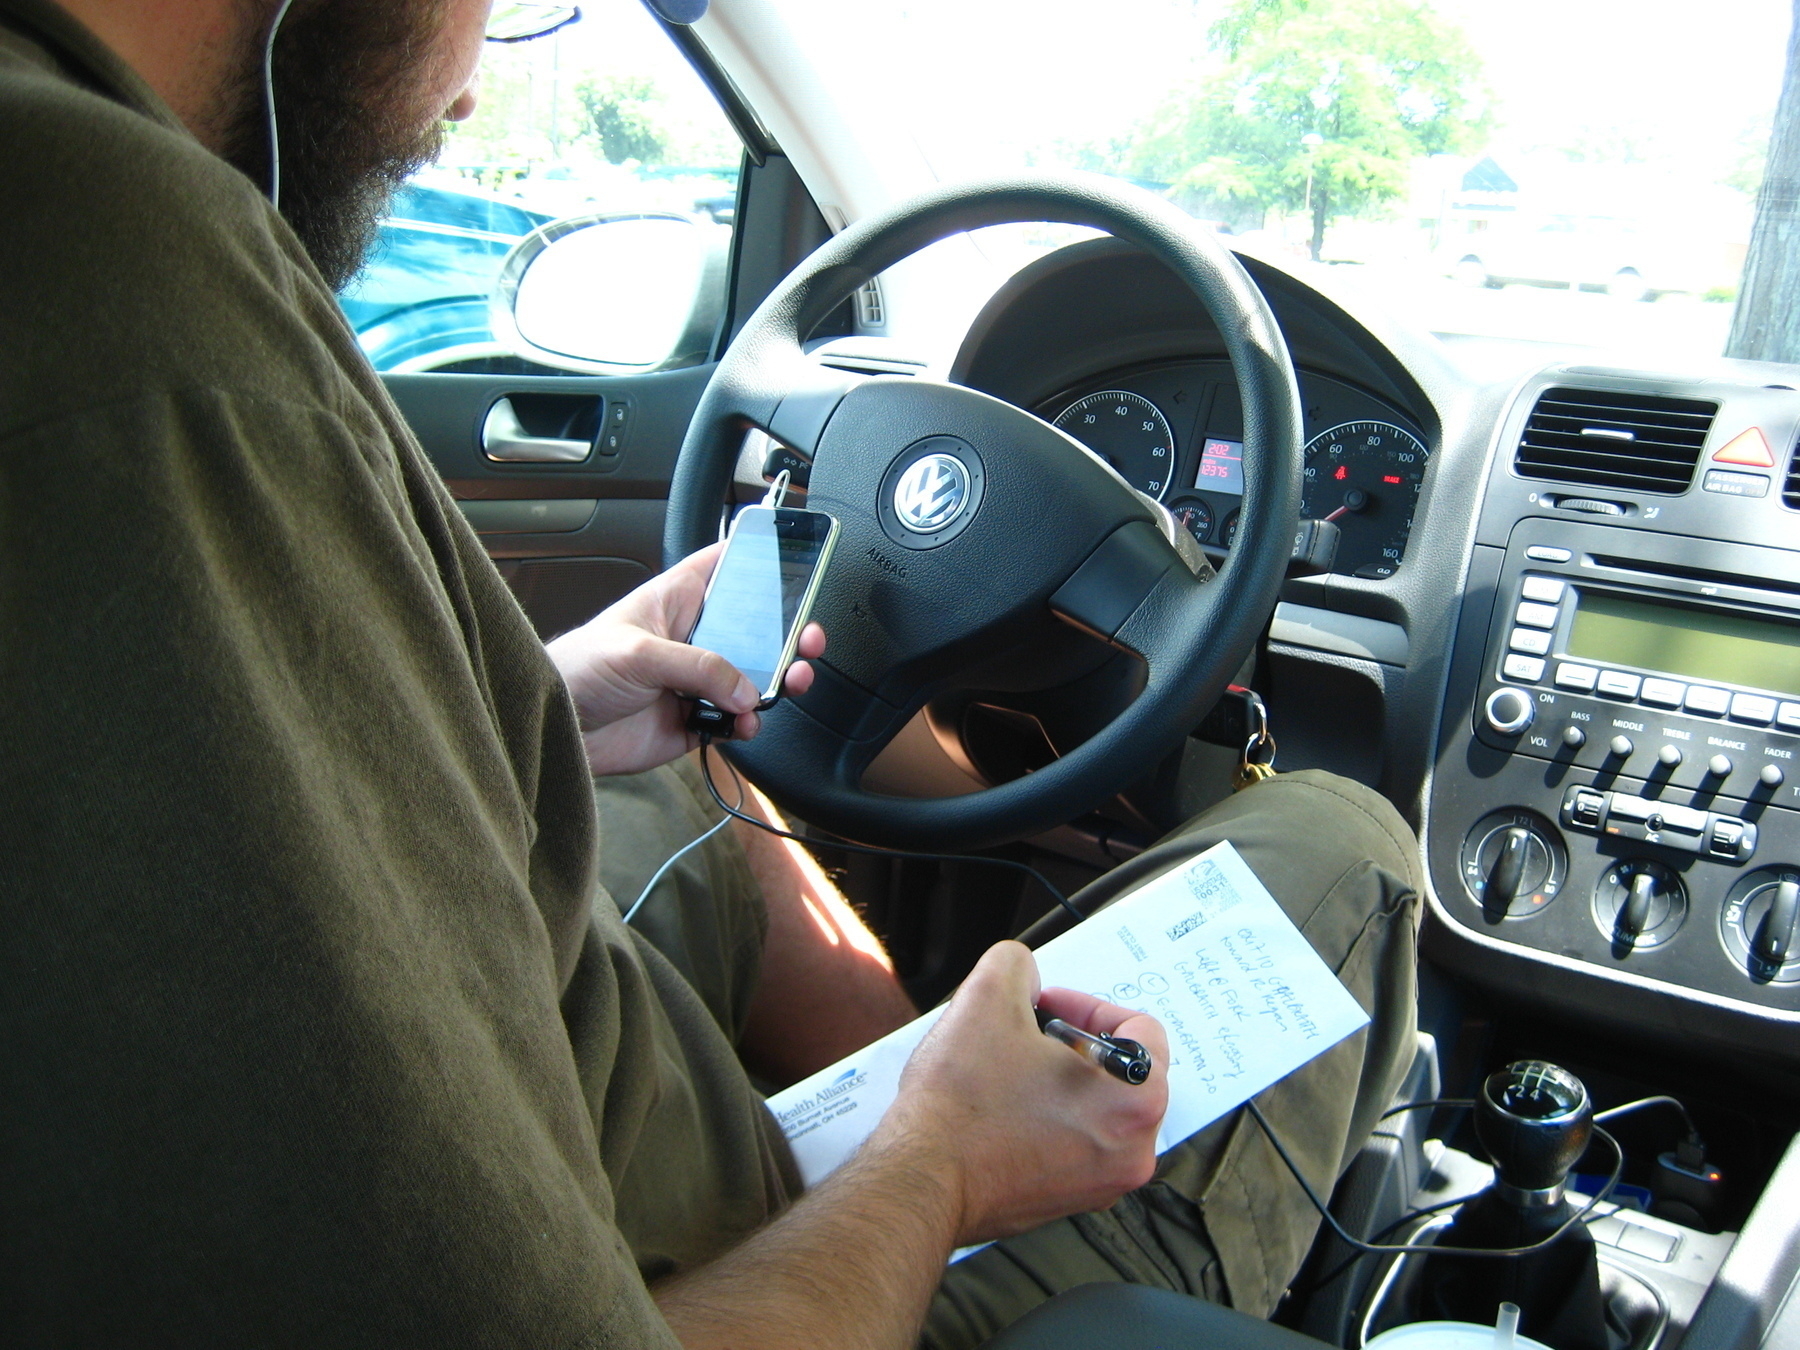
(350, 106)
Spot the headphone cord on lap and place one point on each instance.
(681, 853)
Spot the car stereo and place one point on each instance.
(1623, 789)
(1699, 695)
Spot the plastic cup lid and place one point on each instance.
(1449, 1336)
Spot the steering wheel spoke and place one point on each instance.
(799, 420)
(1115, 579)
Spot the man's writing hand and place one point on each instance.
(1022, 1128)
(629, 668)
(997, 1129)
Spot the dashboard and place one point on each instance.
(1176, 433)
(1561, 628)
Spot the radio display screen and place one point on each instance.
(1699, 644)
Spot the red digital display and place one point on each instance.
(1221, 466)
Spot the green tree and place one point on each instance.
(625, 115)
(1319, 105)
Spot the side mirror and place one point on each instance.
(613, 294)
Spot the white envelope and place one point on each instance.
(1203, 948)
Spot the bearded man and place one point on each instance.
(317, 1025)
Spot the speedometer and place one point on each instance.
(1129, 432)
(1365, 477)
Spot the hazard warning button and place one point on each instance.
(1749, 447)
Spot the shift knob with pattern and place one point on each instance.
(1534, 1119)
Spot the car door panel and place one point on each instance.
(569, 537)
(566, 563)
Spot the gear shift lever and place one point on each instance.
(1534, 1119)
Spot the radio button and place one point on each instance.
(1663, 693)
(1753, 708)
(1585, 807)
(1537, 616)
(1705, 699)
(1524, 669)
(1534, 641)
(1787, 717)
(1617, 684)
(1684, 819)
(1579, 678)
(1659, 816)
(1726, 836)
(1547, 589)
(1509, 711)
(1547, 553)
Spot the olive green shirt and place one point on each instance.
(310, 1029)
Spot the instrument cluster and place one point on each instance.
(1175, 433)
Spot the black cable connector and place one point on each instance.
(710, 723)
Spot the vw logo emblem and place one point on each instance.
(932, 493)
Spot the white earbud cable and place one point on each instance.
(268, 77)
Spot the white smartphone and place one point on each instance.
(762, 591)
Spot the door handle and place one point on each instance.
(503, 438)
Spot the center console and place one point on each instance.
(1616, 797)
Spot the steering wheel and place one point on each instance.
(973, 534)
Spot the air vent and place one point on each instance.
(1790, 494)
(1603, 438)
(871, 312)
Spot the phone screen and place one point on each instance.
(759, 588)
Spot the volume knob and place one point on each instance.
(1509, 711)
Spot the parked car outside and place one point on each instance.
(422, 302)
(1585, 252)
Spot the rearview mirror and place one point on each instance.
(613, 294)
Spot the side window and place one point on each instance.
(602, 117)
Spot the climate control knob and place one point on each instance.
(1513, 863)
(1760, 922)
(1639, 904)
(1509, 711)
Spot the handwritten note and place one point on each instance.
(1204, 949)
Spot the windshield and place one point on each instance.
(1582, 171)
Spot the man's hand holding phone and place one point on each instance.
(633, 675)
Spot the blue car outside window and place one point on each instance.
(421, 303)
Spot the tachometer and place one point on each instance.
(1364, 477)
(1129, 432)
